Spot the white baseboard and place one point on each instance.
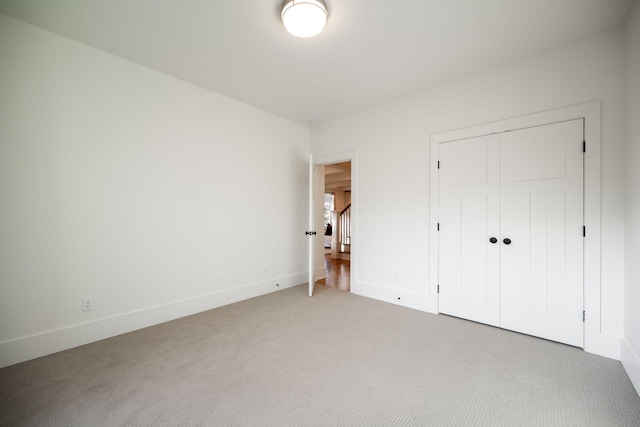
(631, 363)
(42, 344)
(394, 296)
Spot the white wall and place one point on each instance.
(631, 342)
(155, 197)
(392, 144)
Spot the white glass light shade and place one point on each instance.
(304, 18)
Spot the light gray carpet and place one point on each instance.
(336, 359)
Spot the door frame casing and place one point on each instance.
(595, 341)
(347, 156)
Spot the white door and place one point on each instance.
(469, 203)
(310, 232)
(542, 216)
(511, 242)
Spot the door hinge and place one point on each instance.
(438, 164)
(584, 146)
(310, 233)
(583, 315)
(438, 288)
(584, 231)
(438, 226)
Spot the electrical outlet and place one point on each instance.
(395, 275)
(264, 269)
(87, 303)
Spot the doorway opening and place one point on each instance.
(337, 226)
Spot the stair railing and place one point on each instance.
(345, 229)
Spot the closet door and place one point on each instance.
(542, 216)
(469, 203)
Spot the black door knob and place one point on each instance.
(507, 241)
(493, 240)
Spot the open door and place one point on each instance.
(310, 233)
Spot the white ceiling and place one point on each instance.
(371, 52)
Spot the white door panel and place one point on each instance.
(311, 242)
(469, 216)
(542, 213)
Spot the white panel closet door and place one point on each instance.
(542, 214)
(524, 187)
(469, 201)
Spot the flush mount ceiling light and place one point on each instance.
(304, 18)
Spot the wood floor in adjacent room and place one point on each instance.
(338, 273)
